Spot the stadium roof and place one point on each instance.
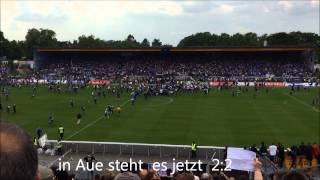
(176, 49)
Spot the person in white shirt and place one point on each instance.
(272, 152)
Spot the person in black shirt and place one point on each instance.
(253, 148)
(79, 116)
(280, 155)
(14, 108)
(263, 149)
(39, 132)
(302, 149)
(301, 152)
(95, 100)
(293, 154)
(309, 153)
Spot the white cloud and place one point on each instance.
(225, 8)
(315, 3)
(286, 5)
(167, 20)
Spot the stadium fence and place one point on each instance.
(205, 153)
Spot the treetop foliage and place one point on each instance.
(47, 38)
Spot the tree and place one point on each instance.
(15, 49)
(237, 40)
(131, 38)
(281, 39)
(4, 45)
(39, 38)
(145, 43)
(11, 49)
(47, 38)
(251, 39)
(156, 43)
(224, 39)
(198, 39)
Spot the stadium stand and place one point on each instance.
(170, 66)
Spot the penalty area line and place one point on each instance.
(92, 123)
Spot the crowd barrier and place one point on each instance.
(205, 153)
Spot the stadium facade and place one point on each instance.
(50, 54)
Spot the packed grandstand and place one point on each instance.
(154, 67)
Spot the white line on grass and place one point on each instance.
(92, 123)
(62, 156)
(302, 102)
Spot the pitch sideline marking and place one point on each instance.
(92, 123)
(302, 102)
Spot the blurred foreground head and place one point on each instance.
(18, 158)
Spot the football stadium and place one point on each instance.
(213, 106)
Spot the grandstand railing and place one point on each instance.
(205, 153)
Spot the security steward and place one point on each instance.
(193, 150)
(61, 132)
(35, 142)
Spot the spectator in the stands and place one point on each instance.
(253, 148)
(59, 174)
(309, 155)
(281, 155)
(18, 159)
(272, 152)
(108, 176)
(206, 176)
(293, 153)
(127, 176)
(183, 176)
(45, 173)
(302, 149)
(293, 175)
(315, 150)
(97, 177)
(257, 170)
(152, 175)
(263, 149)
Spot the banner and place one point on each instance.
(271, 84)
(99, 82)
(221, 83)
(230, 83)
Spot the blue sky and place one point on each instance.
(168, 20)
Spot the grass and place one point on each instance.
(217, 119)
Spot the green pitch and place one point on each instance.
(217, 119)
